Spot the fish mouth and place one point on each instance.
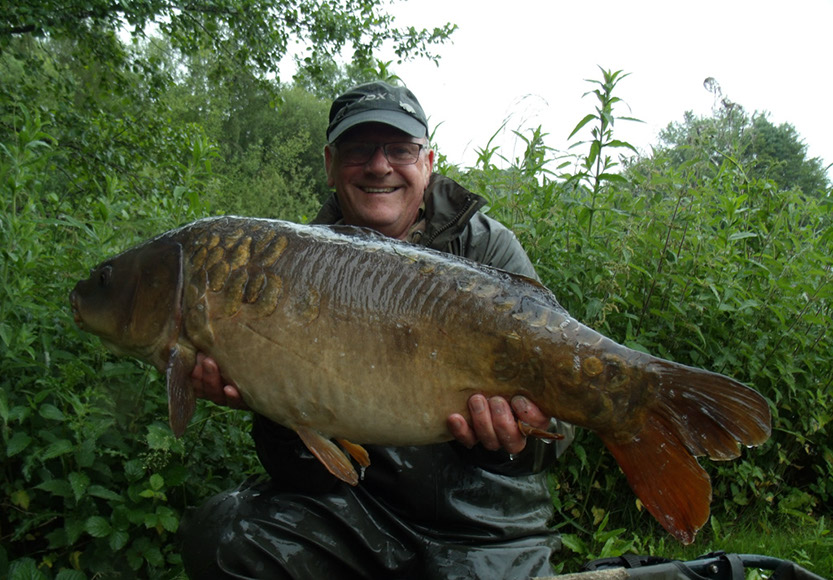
(76, 312)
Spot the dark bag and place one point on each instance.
(713, 566)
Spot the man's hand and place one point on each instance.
(209, 384)
(494, 423)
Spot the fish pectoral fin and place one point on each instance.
(530, 431)
(329, 454)
(666, 478)
(181, 399)
(356, 451)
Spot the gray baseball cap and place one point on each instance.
(377, 102)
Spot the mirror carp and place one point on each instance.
(340, 333)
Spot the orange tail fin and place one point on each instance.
(697, 413)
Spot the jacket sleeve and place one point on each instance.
(487, 241)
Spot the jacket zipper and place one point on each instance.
(453, 221)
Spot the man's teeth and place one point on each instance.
(379, 189)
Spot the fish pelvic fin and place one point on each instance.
(356, 451)
(529, 431)
(329, 454)
(666, 478)
(181, 399)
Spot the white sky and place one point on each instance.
(527, 61)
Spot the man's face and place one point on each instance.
(377, 194)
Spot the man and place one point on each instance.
(477, 507)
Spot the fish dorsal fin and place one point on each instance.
(329, 454)
(666, 478)
(356, 231)
(181, 399)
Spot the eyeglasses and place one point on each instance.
(358, 153)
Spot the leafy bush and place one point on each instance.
(92, 480)
(698, 263)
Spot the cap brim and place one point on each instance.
(401, 121)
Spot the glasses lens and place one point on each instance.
(354, 153)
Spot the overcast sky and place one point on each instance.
(527, 61)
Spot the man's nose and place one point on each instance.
(378, 162)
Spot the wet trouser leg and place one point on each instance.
(255, 532)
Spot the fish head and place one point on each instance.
(133, 301)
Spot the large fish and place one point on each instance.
(337, 333)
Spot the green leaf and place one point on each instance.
(574, 543)
(157, 482)
(49, 411)
(25, 569)
(167, 518)
(97, 527)
(581, 124)
(159, 437)
(56, 449)
(4, 404)
(118, 540)
(79, 483)
(133, 470)
(17, 443)
(742, 236)
(103, 493)
(612, 177)
(59, 487)
(67, 574)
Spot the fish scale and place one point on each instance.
(339, 333)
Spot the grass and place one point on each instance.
(803, 540)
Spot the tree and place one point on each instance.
(764, 150)
(255, 33)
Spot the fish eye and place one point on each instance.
(104, 276)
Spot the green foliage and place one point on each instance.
(254, 35)
(93, 480)
(687, 254)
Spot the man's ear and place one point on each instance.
(328, 165)
(429, 165)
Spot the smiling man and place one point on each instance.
(477, 507)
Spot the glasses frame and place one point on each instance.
(384, 148)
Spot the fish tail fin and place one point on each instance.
(681, 502)
(710, 413)
(697, 413)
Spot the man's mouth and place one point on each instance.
(379, 189)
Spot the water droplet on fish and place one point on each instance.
(433, 355)
(512, 457)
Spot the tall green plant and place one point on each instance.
(595, 167)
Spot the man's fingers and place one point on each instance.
(461, 430)
(505, 424)
(481, 422)
(529, 413)
(233, 398)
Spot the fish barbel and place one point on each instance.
(340, 334)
